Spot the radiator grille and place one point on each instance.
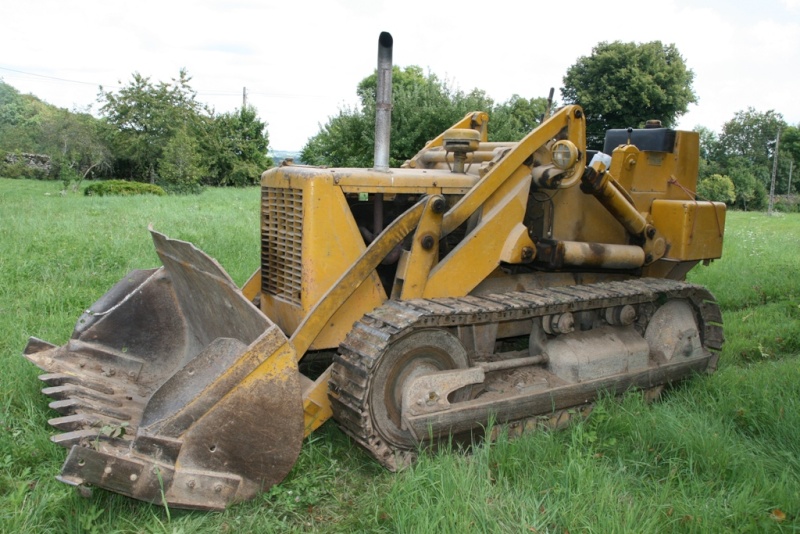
(281, 239)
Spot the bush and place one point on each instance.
(19, 165)
(245, 173)
(787, 204)
(123, 188)
(179, 169)
(189, 188)
(718, 188)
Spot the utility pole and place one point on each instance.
(774, 173)
(244, 98)
(789, 189)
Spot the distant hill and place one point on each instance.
(280, 155)
(21, 118)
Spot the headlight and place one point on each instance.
(564, 154)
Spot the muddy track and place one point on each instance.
(351, 377)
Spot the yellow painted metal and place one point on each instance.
(337, 265)
(646, 176)
(408, 181)
(331, 244)
(345, 287)
(442, 156)
(693, 229)
(612, 198)
(421, 260)
(592, 255)
(316, 405)
(518, 246)
(594, 225)
(621, 206)
(252, 287)
(477, 120)
(479, 253)
(645, 185)
(274, 362)
(569, 119)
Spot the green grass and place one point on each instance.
(718, 454)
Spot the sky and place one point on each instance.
(302, 60)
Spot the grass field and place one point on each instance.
(717, 454)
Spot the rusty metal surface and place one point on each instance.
(174, 388)
(543, 393)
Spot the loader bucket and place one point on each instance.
(174, 388)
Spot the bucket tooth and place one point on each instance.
(36, 345)
(76, 405)
(72, 390)
(204, 384)
(66, 406)
(60, 379)
(59, 392)
(79, 437)
(76, 421)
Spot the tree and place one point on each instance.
(75, 142)
(344, 141)
(235, 148)
(72, 140)
(20, 120)
(789, 159)
(709, 143)
(717, 188)
(751, 134)
(180, 165)
(423, 107)
(145, 117)
(749, 182)
(625, 84)
(514, 119)
(746, 154)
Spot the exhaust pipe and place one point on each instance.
(383, 102)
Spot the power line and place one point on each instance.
(50, 77)
(203, 93)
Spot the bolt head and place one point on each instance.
(527, 253)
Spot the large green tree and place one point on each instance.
(746, 152)
(162, 133)
(625, 84)
(20, 120)
(514, 119)
(790, 146)
(144, 117)
(235, 148)
(75, 141)
(423, 106)
(751, 134)
(180, 166)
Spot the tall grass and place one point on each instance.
(717, 454)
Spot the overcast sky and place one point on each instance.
(301, 61)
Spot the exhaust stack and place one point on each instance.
(383, 102)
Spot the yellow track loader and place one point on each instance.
(480, 281)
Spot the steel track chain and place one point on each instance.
(360, 352)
